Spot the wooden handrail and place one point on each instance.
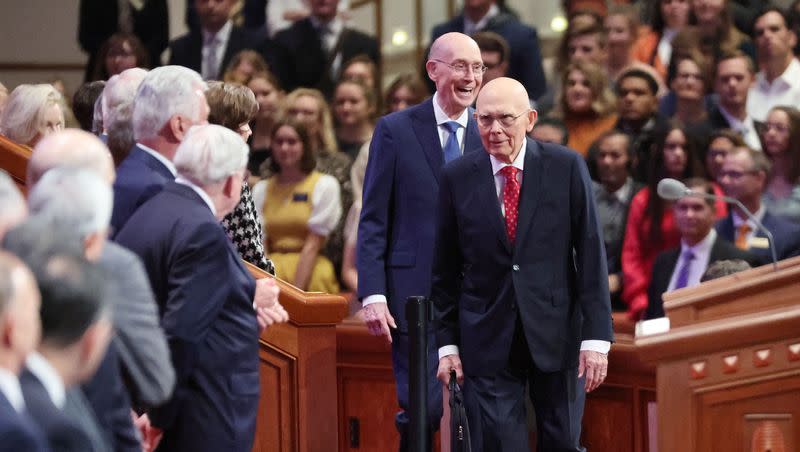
(14, 160)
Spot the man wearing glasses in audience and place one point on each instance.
(396, 230)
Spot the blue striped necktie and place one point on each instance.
(451, 148)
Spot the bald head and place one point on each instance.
(445, 45)
(70, 147)
(504, 118)
(456, 68)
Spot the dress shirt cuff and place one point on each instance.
(448, 350)
(371, 299)
(594, 346)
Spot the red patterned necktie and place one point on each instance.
(511, 200)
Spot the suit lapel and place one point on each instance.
(726, 228)
(472, 139)
(235, 42)
(423, 121)
(530, 191)
(196, 51)
(487, 195)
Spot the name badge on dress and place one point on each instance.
(300, 197)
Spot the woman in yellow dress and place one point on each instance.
(299, 207)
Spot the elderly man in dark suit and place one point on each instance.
(396, 231)
(743, 176)
(314, 50)
(700, 247)
(206, 296)
(520, 286)
(170, 100)
(20, 324)
(525, 61)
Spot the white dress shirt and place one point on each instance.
(49, 377)
(9, 386)
(702, 254)
(216, 43)
(158, 156)
(499, 185)
(784, 90)
(746, 128)
(444, 134)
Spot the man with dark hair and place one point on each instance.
(744, 177)
(83, 103)
(550, 130)
(700, 246)
(778, 78)
(735, 74)
(525, 60)
(494, 53)
(613, 193)
(20, 326)
(76, 329)
(638, 116)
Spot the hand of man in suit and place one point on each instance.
(151, 436)
(448, 363)
(378, 320)
(595, 366)
(265, 302)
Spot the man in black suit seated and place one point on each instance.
(744, 176)
(209, 49)
(76, 330)
(734, 75)
(211, 308)
(314, 49)
(613, 195)
(19, 324)
(525, 60)
(700, 246)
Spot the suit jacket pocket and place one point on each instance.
(244, 384)
(402, 259)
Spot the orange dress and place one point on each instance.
(584, 130)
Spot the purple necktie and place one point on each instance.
(683, 273)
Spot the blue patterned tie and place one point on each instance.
(683, 273)
(452, 150)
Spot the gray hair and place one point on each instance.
(165, 92)
(210, 153)
(23, 113)
(97, 118)
(118, 109)
(12, 203)
(75, 199)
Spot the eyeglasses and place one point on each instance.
(461, 67)
(778, 127)
(506, 120)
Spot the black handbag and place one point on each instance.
(459, 425)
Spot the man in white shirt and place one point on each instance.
(735, 75)
(778, 79)
(19, 323)
(700, 246)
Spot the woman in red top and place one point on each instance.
(651, 227)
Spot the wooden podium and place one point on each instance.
(728, 372)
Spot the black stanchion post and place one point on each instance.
(417, 317)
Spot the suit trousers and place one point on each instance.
(496, 405)
(400, 353)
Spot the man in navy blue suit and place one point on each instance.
(206, 296)
(525, 61)
(744, 176)
(170, 100)
(520, 286)
(19, 323)
(396, 230)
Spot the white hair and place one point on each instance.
(210, 153)
(12, 203)
(165, 92)
(72, 199)
(24, 110)
(118, 95)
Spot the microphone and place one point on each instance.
(671, 189)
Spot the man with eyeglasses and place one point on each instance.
(396, 230)
(743, 176)
(520, 287)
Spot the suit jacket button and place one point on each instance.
(515, 267)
